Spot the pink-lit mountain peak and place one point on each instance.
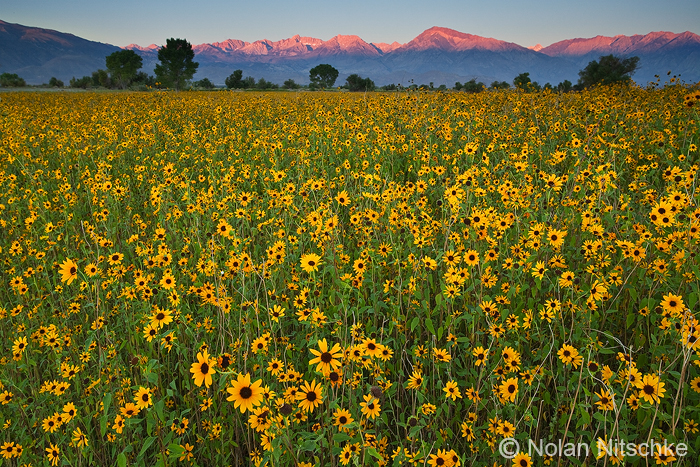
(620, 44)
(450, 40)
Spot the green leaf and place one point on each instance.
(121, 460)
(414, 323)
(340, 437)
(429, 325)
(146, 444)
(106, 401)
(175, 450)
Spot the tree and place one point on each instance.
(11, 80)
(235, 80)
(500, 85)
(355, 82)
(610, 69)
(291, 84)
(204, 83)
(101, 78)
(471, 86)
(523, 82)
(564, 86)
(55, 82)
(84, 82)
(177, 65)
(323, 76)
(123, 66)
(248, 82)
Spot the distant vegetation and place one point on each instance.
(11, 80)
(176, 68)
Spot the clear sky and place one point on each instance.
(144, 22)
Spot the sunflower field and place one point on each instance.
(324, 279)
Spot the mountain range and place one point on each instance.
(437, 55)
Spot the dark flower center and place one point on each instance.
(326, 357)
(204, 368)
(245, 392)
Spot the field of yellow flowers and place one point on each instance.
(323, 279)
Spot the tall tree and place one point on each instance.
(609, 69)
(323, 76)
(123, 66)
(177, 65)
(355, 82)
(235, 80)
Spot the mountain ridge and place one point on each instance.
(437, 54)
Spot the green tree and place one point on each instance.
(523, 82)
(564, 86)
(291, 84)
(235, 80)
(55, 82)
(123, 66)
(264, 84)
(355, 82)
(471, 86)
(500, 85)
(323, 76)
(177, 65)
(101, 78)
(609, 69)
(11, 80)
(204, 83)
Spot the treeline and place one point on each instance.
(176, 68)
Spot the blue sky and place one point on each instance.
(524, 22)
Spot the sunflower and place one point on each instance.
(441, 459)
(570, 356)
(161, 317)
(342, 417)
(673, 303)
(481, 355)
(69, 272)
(522, 460)
(370, 407)
(310, 262)
(129, 410)
(327, 360)
(695, 384)
(142, 398)
(508, 390)
(452, 390)
(651, 389)
(605, 401)
(416, 379)
(244, 394)
(202, 369)
(79, 438)
(471, 257)
(309, 396)
(53, 454)
(118, 424)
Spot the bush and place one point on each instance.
(291, 84)
(11, 80)
(204, 83)
(55, 82)
(235, 80)
(470, 86)
(83, 83)
(356, 83)
(610, 69)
